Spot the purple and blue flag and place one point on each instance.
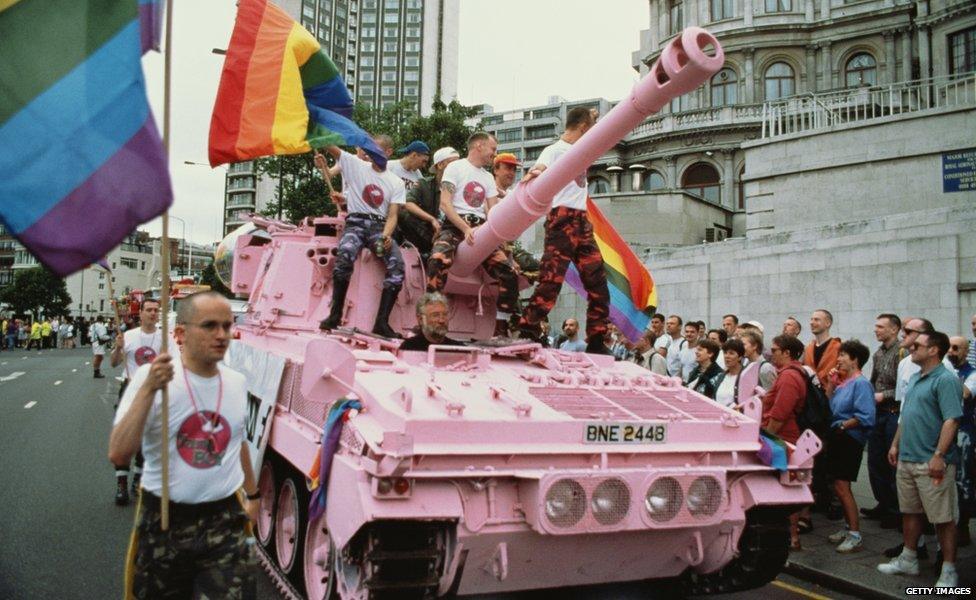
(82, 163)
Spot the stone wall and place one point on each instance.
(916, 263)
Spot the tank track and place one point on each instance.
(281, 583)
(763, 551)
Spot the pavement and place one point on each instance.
(857, 573)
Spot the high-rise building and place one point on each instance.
(387, 51)
(390, 50)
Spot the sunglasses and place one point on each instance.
(907, 331)
(916, 346)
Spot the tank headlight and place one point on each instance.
(663, 500)
(704, 497)
(610, 502)
(565, 503)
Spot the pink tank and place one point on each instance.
(493, 468)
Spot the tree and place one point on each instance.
(303, 193)
(209, 277)
(37, 291)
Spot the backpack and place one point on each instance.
(815, 414)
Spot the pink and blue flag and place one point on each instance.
(151, 24)
(82, 163)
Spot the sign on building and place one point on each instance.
(959, 171)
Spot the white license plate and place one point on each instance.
(625, 433)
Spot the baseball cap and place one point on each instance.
(508, 158)
(415, 146)
(757, 325)
(444, 154)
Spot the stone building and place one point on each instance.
(825, 148)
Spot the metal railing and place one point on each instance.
(810, 112)
(704, 117)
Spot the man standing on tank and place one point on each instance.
(374, 198)
(569, 238)
(468, 192)
(205, 547)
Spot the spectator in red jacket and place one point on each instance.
(784, 402)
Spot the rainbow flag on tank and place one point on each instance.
(279, 93)
(633, 297)
(81, 164)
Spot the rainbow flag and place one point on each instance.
(279, 92)
(633, 297)
(81, 164)
(151, 24)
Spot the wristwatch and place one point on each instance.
(255, 496)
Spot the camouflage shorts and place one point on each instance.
(364, 232)
(204, 551)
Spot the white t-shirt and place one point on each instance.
(574, 194)
(368, 191)
(725, 395)
(662, 341)
(140, 348)
(410, 178)
(473, 186)
(688, 361)
(674, 355)
(98, 331)
(906, 368)
(204, 459)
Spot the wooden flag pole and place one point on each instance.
(164, 252)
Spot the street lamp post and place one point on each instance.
(184, 244)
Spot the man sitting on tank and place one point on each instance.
(374, 197)
(432, 318)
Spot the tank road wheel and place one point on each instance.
(265, 524)
(289, 528)
(319, 582)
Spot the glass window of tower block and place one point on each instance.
(779, 81)
(599, 185)
(721, 9)
(861, 69)
(652, 181)
(676, 15)
(775, 6)
(724, 88)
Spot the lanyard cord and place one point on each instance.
(220, 397)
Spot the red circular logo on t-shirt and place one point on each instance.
(144, 355)
(474, 194)
(202, 439)
(373, 195)
(581, 179)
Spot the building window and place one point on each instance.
(388, 90)
(412, 46)
(366, 76)
(599, 185)
(365, 90)
(675, 12)
(413, 32)
(390, 32)
(533, 153)
(721, 9)
(367, 61)
(369, 32)
(389, 46)
(391, 18)
(389, 61)
(411, 76)
(861, 69)
(701, 179)
(389, 75)
(724, 88)
(779, 81)
(508, 135)
(742, 188)
(413, 17)
(962, 51)
(391, 4)
(652, 182)
(129, 262)
(540, 132)
(410, 90)
(369, 17)
(543, 113)
(412, 61)
(775, 6)
(368, 47)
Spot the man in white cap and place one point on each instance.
(420, 217)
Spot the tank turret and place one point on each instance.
(492, 468)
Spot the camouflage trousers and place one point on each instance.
(498, 265)
(362, 230)
(204, 551)
(569, 237)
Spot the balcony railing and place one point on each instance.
(696, 119)
(811, 112)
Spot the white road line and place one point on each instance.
(58, 382)
(74, 370)
(87, 363)
(12, 376)
(30, 404)
(3, 363)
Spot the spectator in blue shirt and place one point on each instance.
(852, 410)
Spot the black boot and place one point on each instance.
(98, 374)
(387, 302)
(501, 328)
(339, 289)
(122, 491)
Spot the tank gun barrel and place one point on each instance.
(687, 62)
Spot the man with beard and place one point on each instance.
(432, 317)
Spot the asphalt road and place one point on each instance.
(61, 535)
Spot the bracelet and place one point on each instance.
(255, 496)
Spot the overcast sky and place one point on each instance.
(512, 53)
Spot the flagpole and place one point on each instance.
(164, 252)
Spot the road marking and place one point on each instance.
(74, 370)
(799, 590)
(12, 376)
(58, 382)
(3, 363)
(30, 404)
(87, 363)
